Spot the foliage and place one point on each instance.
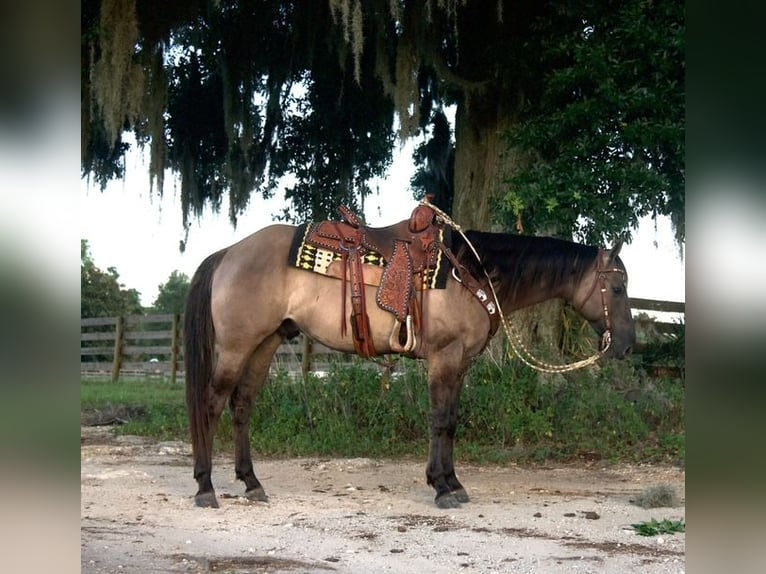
(667, 349)
(604, 135)
(334, 170)
(237, 97)
(653, 527)
(232, 97)
(172, 294)
(349, 412)
(507, 413)
(587, 414)
(101, 293)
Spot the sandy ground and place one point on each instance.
(364, 516)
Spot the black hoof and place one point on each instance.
(257, 494)
(447, 501)
(461, 495)
(206, 500)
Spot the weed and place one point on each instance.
(653, 527)
(657, 497)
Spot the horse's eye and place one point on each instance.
(618, 290)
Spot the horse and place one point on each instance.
(245, 300)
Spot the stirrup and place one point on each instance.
(393, 340)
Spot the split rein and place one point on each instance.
(521, 350)
(606, 339)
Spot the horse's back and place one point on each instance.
(257, 250)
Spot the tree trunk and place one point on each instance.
(482, 159)
(483, 164)
(541, 327)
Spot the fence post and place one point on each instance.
(306, 356)
(118, 343)
(174, 347)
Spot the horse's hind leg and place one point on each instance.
(242, 407)
(228, 370)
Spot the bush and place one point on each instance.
(591, 414)
(612, 411)
(349, 412)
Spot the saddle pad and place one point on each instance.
(303, 255)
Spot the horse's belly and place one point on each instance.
(316, 305)
(317, 308)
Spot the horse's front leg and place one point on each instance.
(448, 460)
(445, 379)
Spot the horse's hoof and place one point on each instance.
(461, 495)
(257, 494)
(206, 500)
(447, 501)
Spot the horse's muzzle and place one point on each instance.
(619, 350)
(626, 352)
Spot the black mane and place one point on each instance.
(517, 263)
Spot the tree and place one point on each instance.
(604, 136)
(236, 96)
(101, 293)
(233, 96)
(599, 138)
(172, 294)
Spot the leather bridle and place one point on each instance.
(606, 338)
(513, 337)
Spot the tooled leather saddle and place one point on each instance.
(406, 250)
(401, 260)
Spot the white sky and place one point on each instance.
(132, 229)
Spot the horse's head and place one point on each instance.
(602, 298)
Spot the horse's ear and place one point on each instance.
(615, 251)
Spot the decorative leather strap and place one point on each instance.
(350, 217)
(360, 321)
(478, 290)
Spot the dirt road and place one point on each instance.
(350, 516)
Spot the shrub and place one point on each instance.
(507, 412)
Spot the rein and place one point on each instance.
(524, 354)
(606, 339)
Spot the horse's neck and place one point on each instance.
(533, 296)
(544, 289)
(530, 269)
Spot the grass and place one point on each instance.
(148, 408)
(96, 394)
(507, 413)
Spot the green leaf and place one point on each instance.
(654, 528)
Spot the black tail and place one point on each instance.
(199, 343)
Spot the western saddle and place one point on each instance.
(411, 250)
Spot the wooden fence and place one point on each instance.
(151, 346)
(137, 345)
